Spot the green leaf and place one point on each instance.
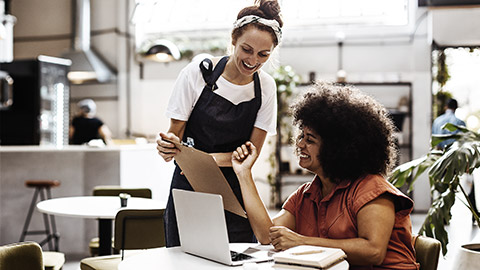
(403, 173)
(452, 128)
(438, 138)
(438, 215)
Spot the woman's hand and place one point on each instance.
(244, 157)
(283, 238)
(167, 150)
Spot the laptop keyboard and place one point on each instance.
(239, 256)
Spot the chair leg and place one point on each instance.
(29, 215)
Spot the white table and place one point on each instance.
(103, 208)
(176, 259)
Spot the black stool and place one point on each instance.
(42, 187)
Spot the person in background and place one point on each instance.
(220, 103)
(449, 117)
(86, 127)
(347, 140)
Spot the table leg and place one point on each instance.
(105, 237)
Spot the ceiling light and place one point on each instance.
(162, 51)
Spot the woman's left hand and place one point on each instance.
(283, 238)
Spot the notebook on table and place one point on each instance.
(203, 230)
(309, 257)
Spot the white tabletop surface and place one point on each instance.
(98, 207)
(176, 259)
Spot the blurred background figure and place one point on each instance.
(447, 117)
(86, 127)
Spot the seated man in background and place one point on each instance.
(86, 127)
(347, 140)
(447, 117)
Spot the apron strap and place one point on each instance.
(211, 75)
(257, 88)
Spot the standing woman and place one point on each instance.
(223, 102)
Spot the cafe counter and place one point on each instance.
(79, 169)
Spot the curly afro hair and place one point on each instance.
(356, 131)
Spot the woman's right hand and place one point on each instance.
(244, 157)
(167, 150)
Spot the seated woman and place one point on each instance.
(346, 139)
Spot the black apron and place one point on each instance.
(216, 125)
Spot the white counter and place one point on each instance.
(76, 148)
(79, 169)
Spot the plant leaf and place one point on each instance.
(438, 215)
(452, 128)
(438, 138)
(402, 174)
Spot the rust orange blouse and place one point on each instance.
(335, 216)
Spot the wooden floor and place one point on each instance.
(461, 231)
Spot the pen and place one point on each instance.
(308, 252)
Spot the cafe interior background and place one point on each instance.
(387, 48)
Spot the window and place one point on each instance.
(213, 19)
(342, 12)
(178, 15)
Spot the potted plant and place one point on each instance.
(444, 168)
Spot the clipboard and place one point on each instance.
(204, 175)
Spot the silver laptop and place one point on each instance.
(203, 231)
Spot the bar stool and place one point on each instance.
(42, 187)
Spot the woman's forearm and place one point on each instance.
(256, 211)
(359, 251)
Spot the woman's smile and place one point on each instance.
(303, 156)
(250, 67)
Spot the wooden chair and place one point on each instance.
(115, 191)
(134, 229)
(29, 256)
(427, 251)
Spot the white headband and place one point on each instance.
(252, 18)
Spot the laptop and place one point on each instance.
(203, 230)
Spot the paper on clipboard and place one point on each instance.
(204, 175)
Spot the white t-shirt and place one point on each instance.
(189, 85)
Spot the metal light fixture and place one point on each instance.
(87, 66)
(162, 51)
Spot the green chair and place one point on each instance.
(115, 191)
(427, 251)
(134, 230)
(29, 256)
